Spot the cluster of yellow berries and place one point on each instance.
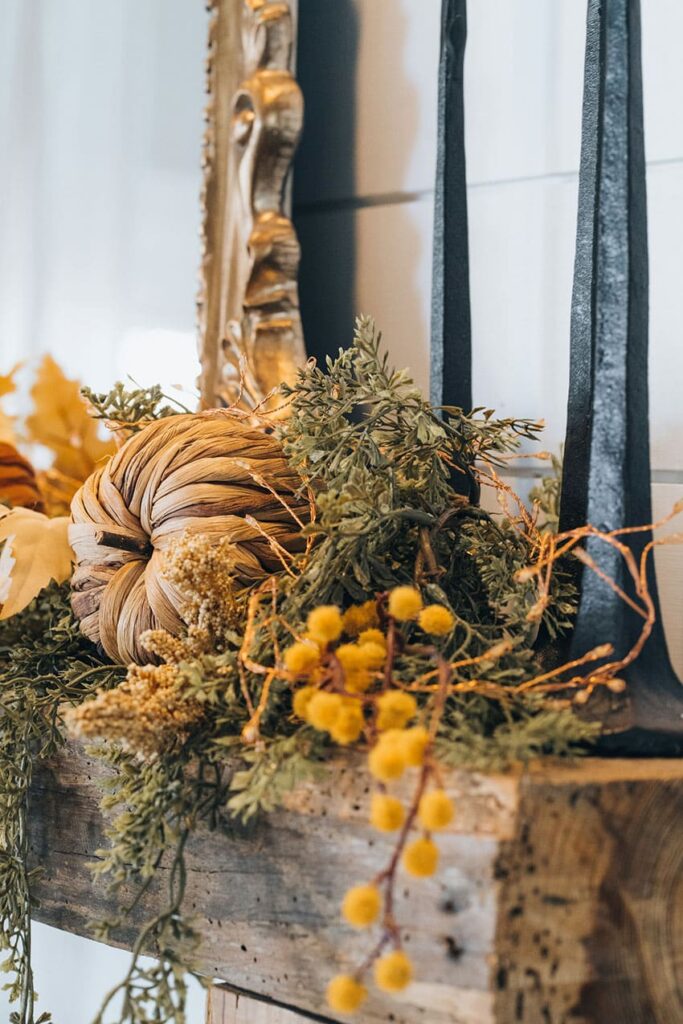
(346, 652)
(358, 661)
(405, 603)
(393, 972)
(362, 905)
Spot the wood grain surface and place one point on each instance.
(559, 898)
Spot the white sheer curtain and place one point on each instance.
(101, 123)
(101, 117)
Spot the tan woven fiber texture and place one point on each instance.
(197, 473)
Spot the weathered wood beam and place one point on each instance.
(560, 897)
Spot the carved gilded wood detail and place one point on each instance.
(250, 327)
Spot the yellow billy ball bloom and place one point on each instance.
(373, 655)
(348, 725)
(436, 810)
(302, 698)
(414, 742)
(436, 619)
(357, 678)
(358, 681)
(386, 761)
(421, 858)
(359, 617)
(386, 812)
(349, 657)
(345, 994)
(373, 636)
(325, 623)
(301, 658)
(405, 603)
(361, 905)
(323, 710)
(393, 972)
(396, 708)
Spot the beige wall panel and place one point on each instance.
(377, 260)
(669, 562)
(369, 71)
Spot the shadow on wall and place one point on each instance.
(360, 253)
(327, 58)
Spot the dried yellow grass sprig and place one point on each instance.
(148, 713)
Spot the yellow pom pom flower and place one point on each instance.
(373, 636)
(345, 994)
(302, 698)
(421, 858)
(436, 619)
(386, 812)
(361, 905)
(358, 681)
(359, 617)
(396, 708)
(405, 603)
(436, 810)
(357, 678)
(323, 710)
(325, 623)
(313, 640)
(386, 761)
(414, 742)
(393, 972)
(349, 657)
(302, 657)
(348, 725)
(373, 655)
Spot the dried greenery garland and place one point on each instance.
(45, 667)
(408, 628)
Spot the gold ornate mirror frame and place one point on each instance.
(250, 335)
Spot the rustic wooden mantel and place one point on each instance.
(560, 897)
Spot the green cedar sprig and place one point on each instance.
(134, 406)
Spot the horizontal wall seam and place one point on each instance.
(657, 476)
(361, 202)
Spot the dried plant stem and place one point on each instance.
(386, 879)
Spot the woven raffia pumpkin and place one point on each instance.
(197, 473)
(18, 486)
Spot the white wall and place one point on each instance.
(101, 121)
(365, 202)
(101, 114)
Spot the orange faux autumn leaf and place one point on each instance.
(57, 490)
(35, 551)
(7, 382)
(60, 421)
(7, 386)
(18, 485)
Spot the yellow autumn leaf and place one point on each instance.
(8, 434)
(36, 550)
(7, 427)
(61, 422)
(7, 381)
